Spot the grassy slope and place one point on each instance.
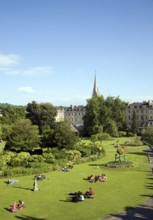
(124, 188)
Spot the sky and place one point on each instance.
(50, 50)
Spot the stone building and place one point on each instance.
(144, 113)
(60, 114)
(74, 115)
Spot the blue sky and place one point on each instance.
(51, 49)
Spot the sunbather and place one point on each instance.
(14, 208)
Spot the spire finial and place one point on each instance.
(95, 88)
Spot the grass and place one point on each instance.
(125, 187)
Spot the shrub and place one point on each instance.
(49, 157)
(122, 133)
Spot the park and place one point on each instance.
(125, 187)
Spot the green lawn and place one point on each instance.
(125, 187)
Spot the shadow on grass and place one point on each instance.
(27, 217)
(24, 188)
(66, 200)
(96, 165)
(8, 209)
(143, 211)
(137, 153)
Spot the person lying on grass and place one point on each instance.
(9, 182)
(99, 178)
(21, 205)
(77, 196)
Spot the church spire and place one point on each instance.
(95, 88)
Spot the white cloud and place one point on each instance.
(26, 89)
(9, 60)
(35, 71)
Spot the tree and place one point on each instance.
(92, 117)
(23, 136)
(147, 135)
(100, 137)
(42, 114)
(104, 115)
(111, 128)
(115, 112)
(135, 123)
(61, 137)
(11, 114)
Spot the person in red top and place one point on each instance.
(91, 192)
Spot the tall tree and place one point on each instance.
(23, 136)
(104, 115)
(11, 114)
(42, 114)
(147, 135)
(61, 137)
(135, 123)
(92, 117)
(116, 110)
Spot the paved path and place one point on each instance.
(143, 211)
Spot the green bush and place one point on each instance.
(122, 133)
(49, 157)
(130, 134)
(36, 158)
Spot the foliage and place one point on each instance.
(104, 115)
(124, 164)
(49, 157)
(11, 114)
(23, 136)
(135, 124)
(147, 135)
(61, 137)
(92, 117)
(112, 128)
(122, 133)
(42, 115)
(100, 137)
(73, 155)
(130, 134)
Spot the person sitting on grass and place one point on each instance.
(14, 208)
(89, 194)
(21, 205)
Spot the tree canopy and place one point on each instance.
(11, 113)
(42, 114)
(147, 135)
(61, 137)
(23, 136)
(104, 115)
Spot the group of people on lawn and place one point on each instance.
(80, 196)
(17, 207)
(98, 178)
